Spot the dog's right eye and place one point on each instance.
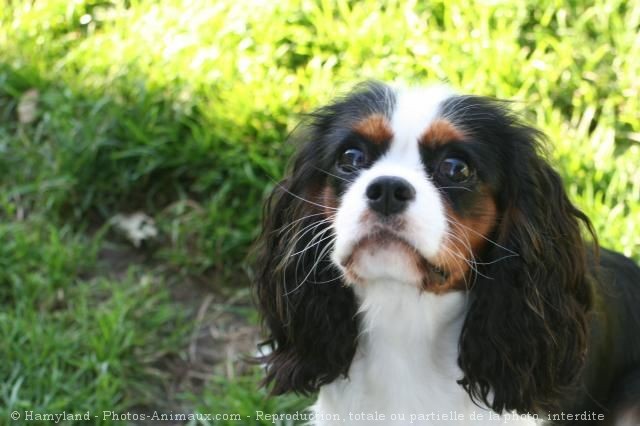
(351, 160)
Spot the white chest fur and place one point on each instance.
(405, 369)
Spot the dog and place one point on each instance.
(421, 262)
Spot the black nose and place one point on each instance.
(389, 195)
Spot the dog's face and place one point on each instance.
(425, 188)
(409, 188)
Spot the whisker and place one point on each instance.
(497, 260)
(300, 257)
(470, 261)
(315, 244)
(453, 220)
(299, 233)
(455, 187)
(462, 274)
(331, 174)
(304, 199)
(310, 271)
(289, 225)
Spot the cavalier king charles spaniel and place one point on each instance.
(421, 263)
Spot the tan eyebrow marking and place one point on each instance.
(440, 132)
(375, 127)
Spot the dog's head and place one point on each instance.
(443, 192)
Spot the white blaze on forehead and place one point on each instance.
(424, 218)
(415, 110)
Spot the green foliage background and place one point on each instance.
(181, 109)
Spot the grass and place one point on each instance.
(180, 109)
(76, 341)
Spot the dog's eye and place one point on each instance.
(455, 169)
(351, 160)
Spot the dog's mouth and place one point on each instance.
(383, 238)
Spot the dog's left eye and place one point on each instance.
(351, 160)
(455, 170)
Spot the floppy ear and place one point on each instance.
(308, 312)
(524, 340)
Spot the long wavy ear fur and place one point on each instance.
(308, 312)
(524, 340)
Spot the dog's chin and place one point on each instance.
(387, 258)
